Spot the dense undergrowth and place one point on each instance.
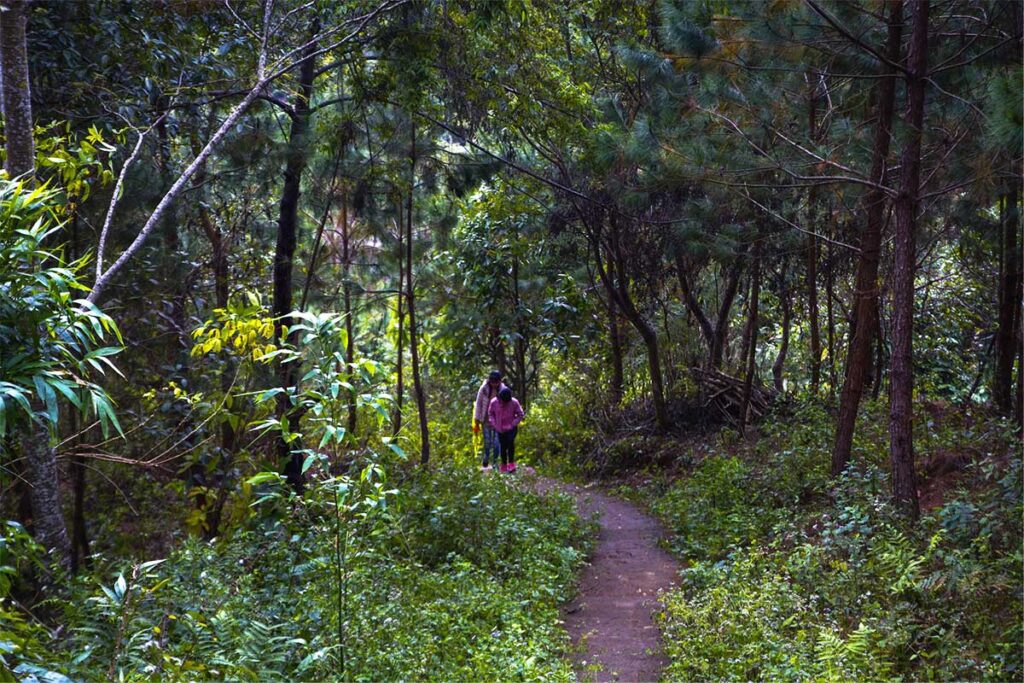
(449, 575)
(793, 576)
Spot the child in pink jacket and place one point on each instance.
(505, 414)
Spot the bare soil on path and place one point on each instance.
(611, 619)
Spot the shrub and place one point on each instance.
(455, 576)
(793, 576)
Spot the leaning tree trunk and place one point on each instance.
(865, 313)
(721, 336)
(647, 332)
(287, 236)
(715, 334)
(901, 376)
(613, 279)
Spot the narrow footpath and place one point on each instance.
(611, 620)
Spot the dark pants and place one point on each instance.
(508, 445)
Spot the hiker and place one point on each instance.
(506, 414)
(490, 389)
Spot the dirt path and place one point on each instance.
(610, 621)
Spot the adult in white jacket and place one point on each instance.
(491, 387)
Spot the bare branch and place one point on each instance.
(777, 216)
(115, 198)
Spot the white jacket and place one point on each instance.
(483, 399)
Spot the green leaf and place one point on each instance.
(262, 478)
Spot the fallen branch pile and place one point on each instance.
(724, 394)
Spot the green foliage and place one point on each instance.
(709, 512)
(455, 577)
(51, 340)
(786, 582)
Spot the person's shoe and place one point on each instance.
(511, 467)
(485, 468)
(503, 469)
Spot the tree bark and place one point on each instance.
(865, 305)
(173, 272)
(715, 334)
(751, 359)
(284, 253)
(1009, 313)
(350, 333)
(519, 344)
(901, 374)
(417, 383)
(17, 90)
(707, 330)
(721, 338)
(48, 523)
(616, 283)
(787, 318)
(1020, 382)
(396, 421)
(831, 320)
(80, 537)
(812, 308)
(221, 294)
(615, 390)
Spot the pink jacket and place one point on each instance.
(505, 416)
(483, 401)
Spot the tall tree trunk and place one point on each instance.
(417, 383)
(287, 237)
(350, 332)
(831, 320)
(1020, 382)
(812, 307)
(40, 455)
(1010, 282)
(396, 420)
(615, 390)
(787, 318)
(173, 272)
(17, 90)
(80, 536)
(221, 294)
(519, 344)
(48, 523)
(865, 306)
(901, 374)
(751, 359)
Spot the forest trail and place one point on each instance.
(611, 619)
